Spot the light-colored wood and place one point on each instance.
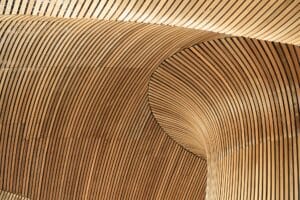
(275, 20)
(101, 99)
(75, 121)
(225, 98)
(11, 196)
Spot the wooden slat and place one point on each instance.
(235, 100)
(75, 121)
(11, 196)
(268, 20)
(90, 92)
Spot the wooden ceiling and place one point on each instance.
(268, 20)
(235, 98)
(151, 99)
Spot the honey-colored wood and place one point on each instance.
(118, 99)
(11, 196)
(75, 121)
(235, 101)
(268, 20)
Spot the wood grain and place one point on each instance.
(11, 196)
(75, 121)
(268, 20)
(102, 99)
(235, 102)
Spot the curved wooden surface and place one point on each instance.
(75, 120)
(90, 92)
(235, 101)
(269, 20)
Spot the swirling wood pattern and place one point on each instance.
(235, 101)
(269, 20)
(75, 121)
(75, 116)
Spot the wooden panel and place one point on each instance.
(75, 98)
(269, 20)
(75, 121)
(235, 102)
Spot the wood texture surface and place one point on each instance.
(177, 99)
(275, 20)
(11, 196)
(75, 120)
(236, 102)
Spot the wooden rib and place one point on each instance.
(74, 116)
(11, 196)
(268, 20)
(235, 101)
(75, 121)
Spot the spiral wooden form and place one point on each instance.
(179, 99)
(234, 102)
